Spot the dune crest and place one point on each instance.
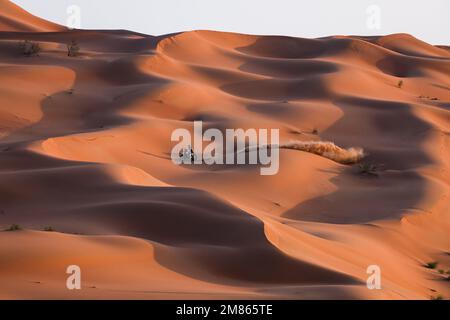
(15, 19)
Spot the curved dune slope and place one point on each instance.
(85, 149)
(15, 19)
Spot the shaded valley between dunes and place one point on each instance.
(85, 167)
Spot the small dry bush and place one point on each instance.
(30, 48)
(73, 49)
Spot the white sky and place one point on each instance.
(428, 20)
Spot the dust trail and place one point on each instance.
(325, 149)
(328, 150)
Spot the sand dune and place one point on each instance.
(13, 18)
(85, 149)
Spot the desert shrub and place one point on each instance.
(30, 48)
(49, 229)
(370, 169)
(428, 97)
(73, 49)
(400, 84)
(432, 265)
(438, 297)
(14, 227)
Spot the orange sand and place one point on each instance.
(85, 144)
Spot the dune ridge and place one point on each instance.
(87, 153)
(13, 18)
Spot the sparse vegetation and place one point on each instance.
(295, 131)
(442, 272)
(49, 229)
(438, 297)
(14, 227)
(73, 49)
(369, 169)
(400, 84)
(30, 48)
(429, 98)
(315, 131)
(432, 265)
(70, 91)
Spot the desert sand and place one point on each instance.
(85, 150)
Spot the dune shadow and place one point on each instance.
(278, 89)
(288, 69)
(272, 109)
(284, 48)
(399, 66)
